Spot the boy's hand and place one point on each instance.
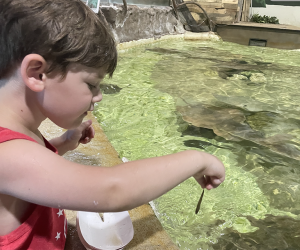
(71, 139)
(83, 134)
(210, 182)
(214, 174)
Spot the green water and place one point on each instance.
(239, 103)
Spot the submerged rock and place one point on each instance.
(258, 78)
(274, 232)
(109, 88)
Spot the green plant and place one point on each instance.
(264, 19)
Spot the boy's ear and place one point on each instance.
(33, 67)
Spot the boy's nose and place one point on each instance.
(97, 98)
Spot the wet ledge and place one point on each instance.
(186, 36)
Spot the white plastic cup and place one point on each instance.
(114, 233)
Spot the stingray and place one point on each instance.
(231, 124)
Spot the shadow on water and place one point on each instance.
(199, 144)
(266, 237)
(109, 88)
(239, 103)
(275, 165)
(228, 65)
(258, 134)
(236, 124)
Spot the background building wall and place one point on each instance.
(219, 11)
(286, 14)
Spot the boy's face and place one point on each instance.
(66, 101)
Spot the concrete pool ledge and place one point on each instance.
(279, 36)
(203, 36)
(148, 232)
(186, 36)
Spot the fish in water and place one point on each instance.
(199, 202)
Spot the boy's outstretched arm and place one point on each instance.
(71, 139)
(39, 176)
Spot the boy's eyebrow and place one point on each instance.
(101, 76)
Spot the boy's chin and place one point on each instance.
(70, 124)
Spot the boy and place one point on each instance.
(54, 53)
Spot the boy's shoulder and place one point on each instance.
(8, 135)
(17, 152)
(20, 154)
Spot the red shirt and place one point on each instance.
(45, 228)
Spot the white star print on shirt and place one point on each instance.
(60, 212)
(57, 236)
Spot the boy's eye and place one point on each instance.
(91, 86)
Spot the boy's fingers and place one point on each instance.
(87, 135)
(202, 182)
(91, 132)
(209, 182)
(86, 140)
(214, 182)
(85, 125)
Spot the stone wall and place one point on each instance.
(141, 22)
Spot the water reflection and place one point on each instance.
(231, 123)
(266, 237)
(239, 103)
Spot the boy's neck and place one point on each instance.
(17, 110)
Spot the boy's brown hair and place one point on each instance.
(61, 31)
